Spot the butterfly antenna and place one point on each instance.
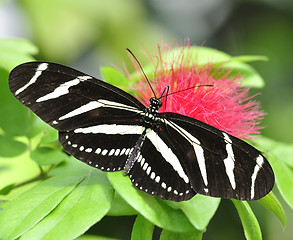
(148, 81)
(166, 89)
(206, 85)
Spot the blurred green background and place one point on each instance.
(87, 34)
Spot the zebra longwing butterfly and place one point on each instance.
(167, 155)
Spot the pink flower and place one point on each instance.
(224, 105)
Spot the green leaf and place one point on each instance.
(196, 54)
(10, 147)
(142, 229)
(283, 151)
(49, 135)
(115, 77)
(200, 210)
(249, 222)
(153, 209)
(249, 58)
(284, 178)
(120, 208)
(84, 206)
(250, 77)
(30, 207)
(16, 170)
(169, 235)
(271, 202)
(48, 156)
(18, 118)
(15, 51)
(95, 237)
(7, 189)
(279, 161)
(221, 61)
(75, 197)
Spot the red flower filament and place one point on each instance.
(225, 105)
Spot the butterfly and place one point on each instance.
(167, 155)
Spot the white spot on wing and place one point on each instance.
(157, 179)
(142, 162)
(104, 152)
(148, 170)
(122, 151)
(63, 89)
(229, 161)
(145, 166)
(117, 105)
(94, 105)
(127, 151)
(88, 150)
(139, 158)
(111, 129)
(117, 152)
(111, 152)
(85, 108)
(259, 163)
(42, 67)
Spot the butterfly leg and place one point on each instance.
(135, 153)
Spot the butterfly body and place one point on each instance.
(167, 155)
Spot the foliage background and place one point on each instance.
(87, 34)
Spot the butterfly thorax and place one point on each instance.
(152, 111)
(150, 120)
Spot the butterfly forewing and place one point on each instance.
(66, 98)
(219, 164)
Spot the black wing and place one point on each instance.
(157, 170)
(66, 98)
(217, 163)
(97, 122)
(103, 146)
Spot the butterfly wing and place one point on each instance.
(97, 122)
(103, 146)
(157, 170)
(217, 163)
(66, 98)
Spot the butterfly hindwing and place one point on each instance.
(66, 98)
(223, 166)
(156, 171)
(104, 146)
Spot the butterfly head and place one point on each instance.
(152, 111)
(155, 103)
